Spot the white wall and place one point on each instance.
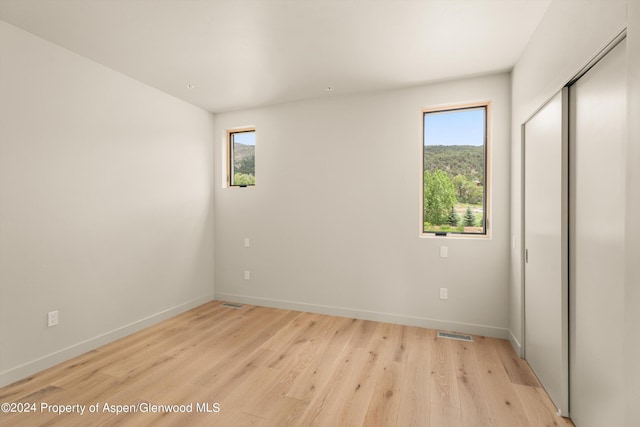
(570, 34)
(334, 219)
(106, 210)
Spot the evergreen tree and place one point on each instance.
(469, 218)
(454, 218)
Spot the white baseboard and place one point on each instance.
(516, 344)
(467, 328)
(23, 371)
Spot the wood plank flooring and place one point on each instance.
(260, 366)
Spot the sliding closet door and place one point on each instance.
(546, 229)
(597, 196)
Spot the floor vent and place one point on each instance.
(454, 336)
(232, 305)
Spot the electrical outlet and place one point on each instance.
(52, 318)
(247, 275)
(444, 294)
(246, 242)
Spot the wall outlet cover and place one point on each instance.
(52, 318)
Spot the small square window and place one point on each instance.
(241, 146)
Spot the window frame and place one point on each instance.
(230, 157)
(486, 105)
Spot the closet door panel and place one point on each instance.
(546, 269)
(597, 216)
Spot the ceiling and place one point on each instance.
(240, 54)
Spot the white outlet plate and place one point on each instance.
(444, 294)
(247, 243)
(444, 252)
(247, 275)
(52, 318)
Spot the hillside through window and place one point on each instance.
(242, 157)
(455, 184)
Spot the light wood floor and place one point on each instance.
(272, 367)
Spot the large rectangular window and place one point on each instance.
(242, 157)
(455, 170)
